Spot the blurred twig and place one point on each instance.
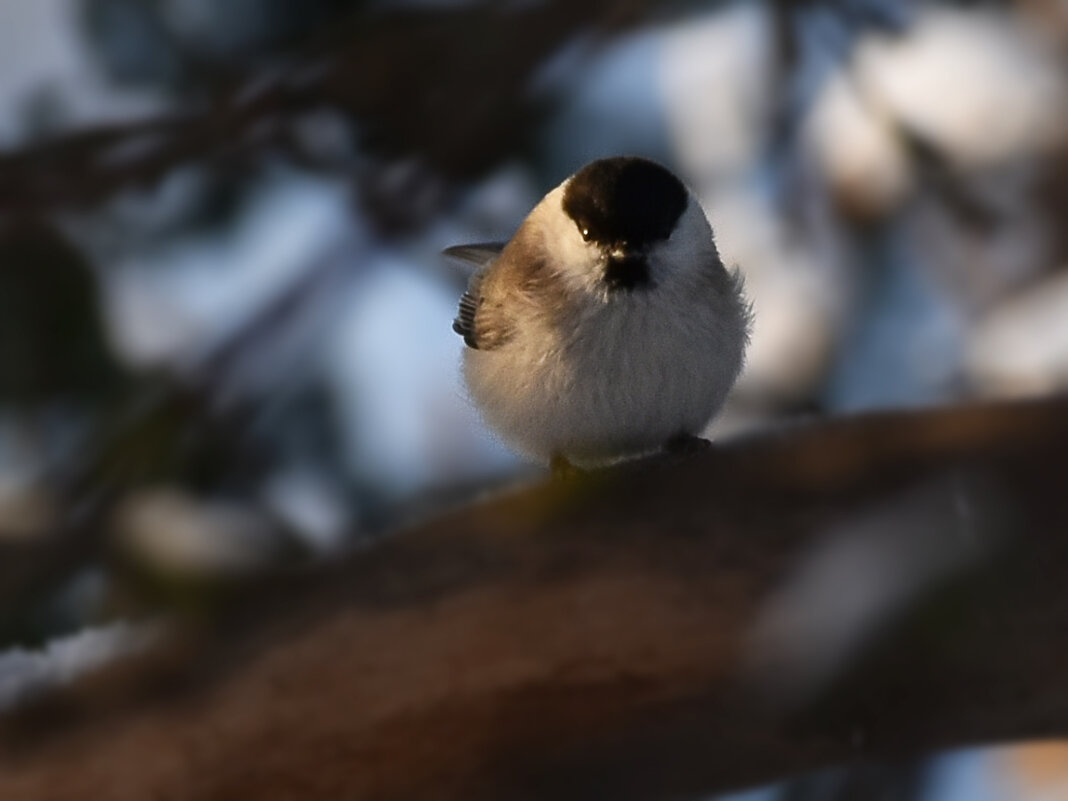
(450, 87)
(193, 427)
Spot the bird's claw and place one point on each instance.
(687, 444)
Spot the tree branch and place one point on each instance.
(446, 87)
(622, 636)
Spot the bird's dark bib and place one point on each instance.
(628, 273)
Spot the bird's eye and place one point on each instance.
(585, 234)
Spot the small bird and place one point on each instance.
(607, 327)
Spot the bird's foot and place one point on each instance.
(563, 469)
(687, 444)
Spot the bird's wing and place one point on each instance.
(481, 319)
(464, 324)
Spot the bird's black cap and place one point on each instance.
(625, 201)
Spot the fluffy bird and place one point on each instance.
(607, 327)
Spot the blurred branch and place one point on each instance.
(449, 87)
(194, 426)
(596, 638)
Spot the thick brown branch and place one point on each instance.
(614, 637)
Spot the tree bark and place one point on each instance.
(651, 631)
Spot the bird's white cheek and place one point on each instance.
(577, 262)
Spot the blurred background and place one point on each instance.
(225, 335)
